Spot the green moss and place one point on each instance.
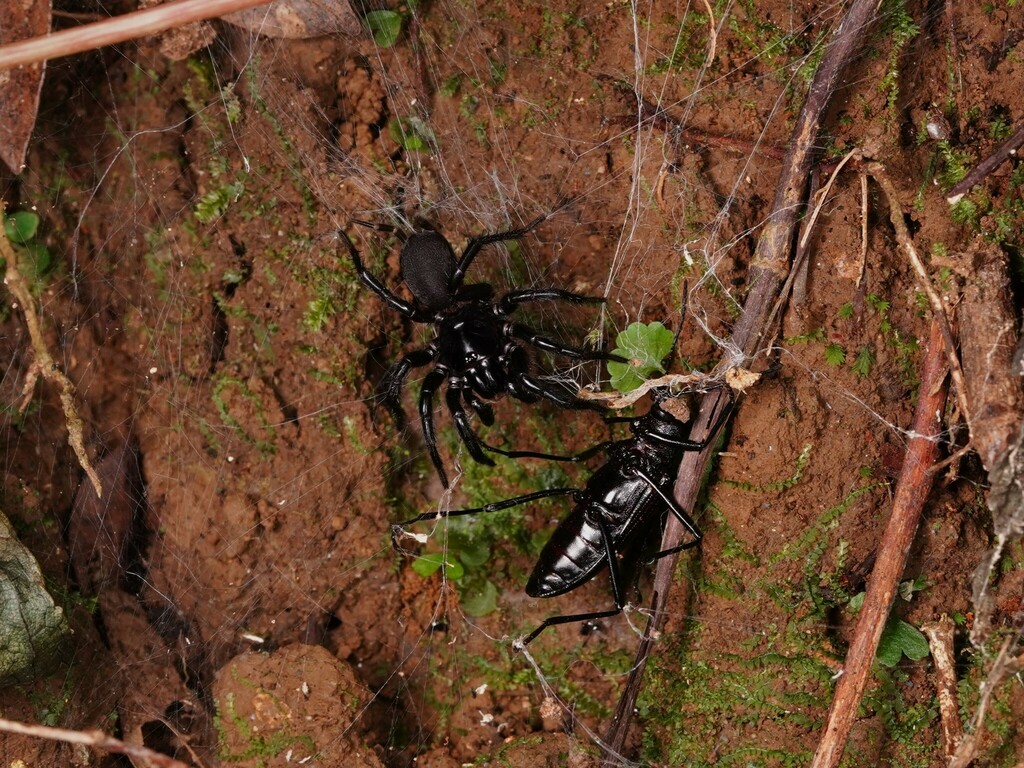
(260, 748)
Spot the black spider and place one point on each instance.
(476, 348)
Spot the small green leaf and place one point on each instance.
(479, 597)
(427, 565)
(835, 354)
(36, 261)
(901, 639)
(411, 133)
(472, 554)
(645, 345)
(865, 360)
(385, 26)
(215, 203)
(21, 226)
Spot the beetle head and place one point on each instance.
(667, 420)
(427, 264)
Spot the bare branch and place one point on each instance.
(116, 30)
(44, 364)
(141, 756)
(912, 490)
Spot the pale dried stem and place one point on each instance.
(44, 364)
(940, 641)
(117, 30)
(617, 401)
(141, 756)
(712, 34)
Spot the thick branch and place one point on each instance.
(912, 489)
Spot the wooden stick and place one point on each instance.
(751, 336)
(139, 755)
(116, 30)
(877, 171)
(1002, 153)
(912, 489)
(940, 641)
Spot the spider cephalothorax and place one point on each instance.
(477, 348)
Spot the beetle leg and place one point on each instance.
(496, 506)
(676, 510)
(583, 456)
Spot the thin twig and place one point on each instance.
(823, 194)
(44, 364)
(116, 30)
(140, 755)
(912, 490)
(940, 641)
(863, 227)
(1004, 666)
(678, 381)
(751, 336)
(877, 171)
(1002, 153)
(712, 34)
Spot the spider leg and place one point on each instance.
(389, 228)
(524, 384)
(401, 306)
(494, 507)
(430, 384)
(466, 433)
(614, 574)
(513, 299)
(473, 247)
(389, 391)
(530, 336)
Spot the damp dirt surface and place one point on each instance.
(239, 595)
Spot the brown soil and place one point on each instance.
(236, 598)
